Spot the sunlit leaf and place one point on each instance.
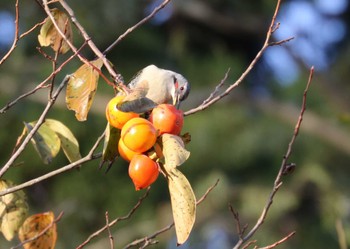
(183, 203)
(13, 210)
(174, 150)
(81, 89)
(45, 141)
(33, 226)
(110, 146)
(49, 36)
(69, 143)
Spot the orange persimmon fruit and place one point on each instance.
(143, 171)
(139, 135)
(167, 119)
(125, 152)
(116, 117)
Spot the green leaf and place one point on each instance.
(110, 145)
(69, 143)
(174, 151)
(49, 35)
(45, 141)
(81, 89)
(13, 211)
(183, 203)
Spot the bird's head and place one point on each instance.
(180, 88)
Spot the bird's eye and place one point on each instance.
(182, 88)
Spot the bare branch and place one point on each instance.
(15, 40)
(115, 221)
(111, 239)
(131, 29)
(149, 238)
(266, 44)
(240, 229)
(279, 242)
(278, 180)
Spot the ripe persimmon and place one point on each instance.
(125, 152)
(167, 119)
(139, 135)
(143, 171)
(116, 117)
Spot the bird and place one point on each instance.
(153, 86)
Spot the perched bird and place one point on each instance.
(153, 86)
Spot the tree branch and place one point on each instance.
(278, 180)
(137, 25)
(210, 101)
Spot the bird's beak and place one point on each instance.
(176, 100)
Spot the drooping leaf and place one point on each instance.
(183, 203)
(13, 210)
(174, 150)
(49, 36)
(110, 145)
(81, 89)
(69, 143)
(45, 141)
(33, 226)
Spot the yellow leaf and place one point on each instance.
(33, 226)
(45, 141)
(174, 151)
(49, 35)
(13, 211)
(183, 203)
(81, 89)
(69, 143)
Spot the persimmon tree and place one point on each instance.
(168, 151)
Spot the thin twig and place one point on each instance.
(217, 88)
(266, 44)
(16, 38)
(111, 239)
(279, 242)
(39, 234)
(115, 221)
(278, 180)
(31, 29)
(241, 230)
(131, 29)
(168, 227)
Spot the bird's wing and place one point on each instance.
(136, 101)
